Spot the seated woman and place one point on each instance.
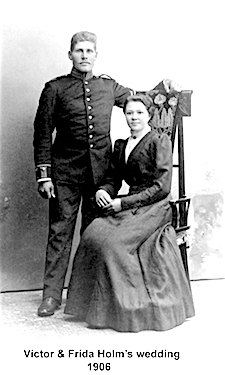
(127, 273)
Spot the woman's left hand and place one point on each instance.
(114, 206)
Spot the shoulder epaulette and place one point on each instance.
(105, 76)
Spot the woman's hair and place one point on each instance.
(139, 98)
(83, 36)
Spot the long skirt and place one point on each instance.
(128, 273)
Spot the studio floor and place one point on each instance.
(199, 341)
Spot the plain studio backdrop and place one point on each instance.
(139, 44)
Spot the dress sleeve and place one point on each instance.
(44, 125)
(161, 183)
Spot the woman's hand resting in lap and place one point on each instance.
(108, 204)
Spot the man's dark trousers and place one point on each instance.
(63, 210)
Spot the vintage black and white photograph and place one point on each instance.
(112, 187)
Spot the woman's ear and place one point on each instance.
(69, 55)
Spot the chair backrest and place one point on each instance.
(163, 110)
(168, 110)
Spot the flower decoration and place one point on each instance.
(162, 108)
(160, 99)
(173, 101)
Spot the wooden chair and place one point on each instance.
(168, 110)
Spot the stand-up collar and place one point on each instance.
(80, 75)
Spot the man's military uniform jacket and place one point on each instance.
(79, 107)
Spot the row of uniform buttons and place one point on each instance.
(90, 117)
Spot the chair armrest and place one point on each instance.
(180, 200)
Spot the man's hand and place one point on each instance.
(46, 189)
(170, 85)
(113, 206)
(102, 198)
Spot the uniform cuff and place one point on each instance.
(43, 172)
(44, 179)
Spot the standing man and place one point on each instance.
(79, 107)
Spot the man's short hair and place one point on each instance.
(83, 36)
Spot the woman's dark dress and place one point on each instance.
(127, 273)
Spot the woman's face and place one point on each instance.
(137, 116)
